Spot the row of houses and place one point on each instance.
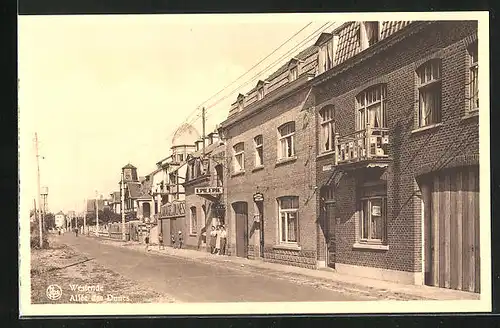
(360, 154)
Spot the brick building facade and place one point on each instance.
(362, 153)
(399, 193)
(270, 203)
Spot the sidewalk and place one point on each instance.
(328, 275)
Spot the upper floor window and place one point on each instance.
(371, 33)
(370, 108)
(193, 221)
(259, 154)
(294, 73)
(473, 77)
(325, 57)
(180, 157)
(288, 223)
(327, 128)
(286, 147)
(239, 157)
(429, 93)
(260, 92)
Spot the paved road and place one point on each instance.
(192, 281)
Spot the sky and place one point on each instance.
(103, 91)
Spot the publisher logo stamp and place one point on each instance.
(54, 292)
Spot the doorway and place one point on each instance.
(328, 214)
(260, 211)
(146, 210)
(330, 233)
(241, 227)
(450, 202)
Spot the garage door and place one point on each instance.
(451, 229)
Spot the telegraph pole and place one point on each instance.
(97, 214)
(84, 215)
(203, 129)
(40, 216)
(122, 207)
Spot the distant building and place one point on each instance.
(115, 202)
(60, 219)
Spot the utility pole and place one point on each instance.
(84, 215)
(203, 129)
(96, 214)
(40, 216)
(122, 207)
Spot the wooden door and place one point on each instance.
(451, 229)
(241, 226)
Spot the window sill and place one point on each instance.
(286, 160)
(426, 128)
(193, 235)
(326, 154)
(258, 168)
(235, 174)
(471, 114)
(291, 247)
(376, 247)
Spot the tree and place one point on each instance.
(49, 221)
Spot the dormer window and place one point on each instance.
(294, 73)
(240, 101)
(369, 34)
(260, 92)
(325, 52)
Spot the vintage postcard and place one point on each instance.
(254, 164)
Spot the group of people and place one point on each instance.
(218, 240)
(176, 243)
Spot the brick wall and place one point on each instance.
(412, 153)
(293, 178)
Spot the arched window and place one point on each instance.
(286, 146)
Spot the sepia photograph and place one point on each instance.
(254, 163)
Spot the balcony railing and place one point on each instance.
(362, 145)
(173, 209)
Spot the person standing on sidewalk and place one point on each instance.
(160, 241)
(213, 237)
(223, 240)
(146, 239)
(180, 239)
(217, 240)
(172, 240)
